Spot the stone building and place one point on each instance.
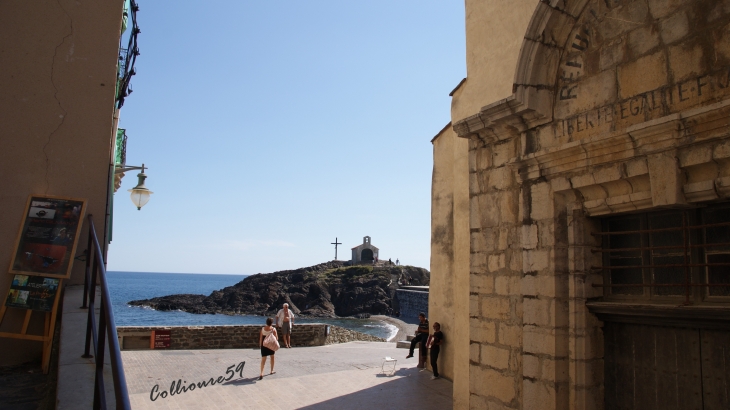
(580, 215)
(364, 253)
(62, 88)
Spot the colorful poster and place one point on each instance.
(32, 292)
(48, 236)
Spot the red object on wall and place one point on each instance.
(161, 338)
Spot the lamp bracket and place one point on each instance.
(121, 169)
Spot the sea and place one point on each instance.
(127, 286)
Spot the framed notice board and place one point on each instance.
(48, 236)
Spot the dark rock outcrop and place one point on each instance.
(329, 289)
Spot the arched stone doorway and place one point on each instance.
(366, 255)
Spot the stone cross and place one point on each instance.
(336, 243)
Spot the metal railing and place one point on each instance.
(97, 333)
(685, 252)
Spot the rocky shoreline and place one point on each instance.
(341, 335)
(328, 290)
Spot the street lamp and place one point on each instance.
(140, 195)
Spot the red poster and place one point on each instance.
(162, 339)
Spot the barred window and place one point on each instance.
(667, 255)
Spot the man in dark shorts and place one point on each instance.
(285, 319)
(421, 333)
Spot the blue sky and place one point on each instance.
(270, 128)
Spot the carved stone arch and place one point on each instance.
(531, 103)
(645, 91)
(537, 66)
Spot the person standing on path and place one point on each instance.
(421, 333)
(265, 351)
(437, 339)
(285, 319)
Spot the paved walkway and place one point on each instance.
(343, 376)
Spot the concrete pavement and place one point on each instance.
(75, 387)
(343, 376)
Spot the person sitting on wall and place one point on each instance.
(421, 334)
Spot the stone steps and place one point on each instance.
(405, 344)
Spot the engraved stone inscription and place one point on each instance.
(631, 61)
(649, 105)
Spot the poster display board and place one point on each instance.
(48, 236)
(32, 292)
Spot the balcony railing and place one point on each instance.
(128, 57)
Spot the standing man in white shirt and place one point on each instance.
(285, 320)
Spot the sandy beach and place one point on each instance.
(404, 329)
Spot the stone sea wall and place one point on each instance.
(230, 336)
(411, 303)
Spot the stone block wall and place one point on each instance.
(236, 337)
(498, 259)
(216, 337)
(411, 303)
(617, 106)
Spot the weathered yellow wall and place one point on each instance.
(449, 289)
(461, 270)
(494, 33)
(57, 76)
(440, 300)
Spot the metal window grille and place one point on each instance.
(667, 255)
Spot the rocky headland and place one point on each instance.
(331, 289)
